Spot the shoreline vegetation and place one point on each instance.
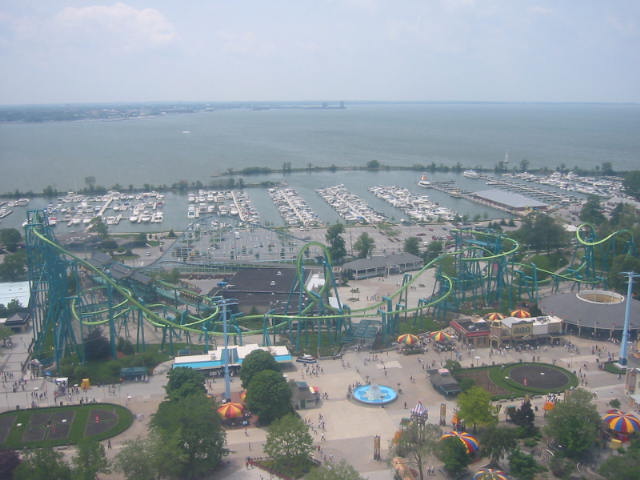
(233, 179)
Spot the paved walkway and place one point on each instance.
(349, 427)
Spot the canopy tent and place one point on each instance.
(620, 422)
(440, 336)
(520, 313)
(231, 410)
(490, 474)
(494, 316)
(408, 339)
(469, 441)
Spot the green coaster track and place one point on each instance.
(70, 295)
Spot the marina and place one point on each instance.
(223, 203)
(417, 207)
(350, 206)
(293, 208)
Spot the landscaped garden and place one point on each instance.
(519, 379)
(68, 425)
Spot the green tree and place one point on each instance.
(574, 423)
(43, 464)
(99, 227)
(474, 407)
(497, 441)
(184, 382)
(96, 345)
(434, 249)
(5, 334)
(189, 428)
(623, 263)
(592, 211)
(523, 417)
(416, 442)
(9, 461)
(454, 455)
(256, 362)
(364, 245)
(269, 396)
(14, 267)
(337, 246)
(623, 215)
(523, 466)
(412, 246)
(334, 471)
(373, 165)
(623, 466)
(89, 461)
(138, 459)
(289, 443)
(631, 184)
(10, 238)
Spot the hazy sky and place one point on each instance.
(504, 50)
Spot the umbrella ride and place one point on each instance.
(419, 411)
(408, 339)
(621, 422)
(231, 410)
(490, 474)
(470, 442)
(494, 316)
(440, 336)
(520, 313)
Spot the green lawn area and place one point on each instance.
(67, 425)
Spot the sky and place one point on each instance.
(84, 51)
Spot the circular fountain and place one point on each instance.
(374, 394)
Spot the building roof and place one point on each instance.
(382, 261)
(15, 291)
(577, 312)
(237, 354)
(510, 199)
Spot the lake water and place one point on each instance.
(166, 149)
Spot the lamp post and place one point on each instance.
(627, 317)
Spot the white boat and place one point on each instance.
(470, 174)
(424, 181)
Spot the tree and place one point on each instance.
(454, 455)
(98, 226)
(373, 165)
(138, 459)
(89, 461)
(623, 263)
(5, 334)
(289, 443)
(574, 423)
(416, 442)
(9, 461)
(337, 248)
(256, 362)
(184, 382)
(523, 466)
(334, 471)
(592, 211)
(189, 430)
(269, 396)
(497, 441)
(364, 245)
(10, 238)
(623, 466)
(623, 215)
(434, 249)
(96, 345)
(43, 464)
(412, 246)
(523, 417)
(14, 267)
(474, 407)
(631, 184)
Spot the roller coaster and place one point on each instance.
(71, 295)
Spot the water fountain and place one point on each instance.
(374, 394)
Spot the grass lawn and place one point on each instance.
(507, 381)
(67, 425)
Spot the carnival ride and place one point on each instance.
(70, 295)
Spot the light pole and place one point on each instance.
(627, 317)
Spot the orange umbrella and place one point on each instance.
(440, 336)
(548, 406)
(520, 313)
(408, 339)
(494, 316)
(243, 396)
(231, 410)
